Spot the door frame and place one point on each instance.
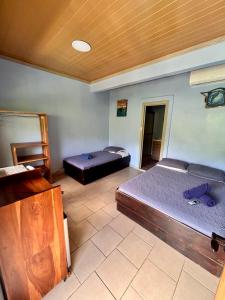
(143, 114)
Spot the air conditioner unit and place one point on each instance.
(208, 75)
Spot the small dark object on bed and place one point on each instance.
(193, 202)
(87, 156)
(208, 200)
(197, 191)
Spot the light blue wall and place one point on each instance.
(194, 133)
(78, 119)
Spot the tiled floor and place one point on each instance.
(114, 258)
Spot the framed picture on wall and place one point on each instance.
(214, 97)
(122, 107)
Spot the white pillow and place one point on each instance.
(172, 168)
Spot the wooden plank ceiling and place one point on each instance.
(122, 33)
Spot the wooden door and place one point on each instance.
(148, 133)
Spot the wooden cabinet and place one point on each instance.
(32, 244)
(220, 293)
(156, 148)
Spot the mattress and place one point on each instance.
(163, 189)
(100, 157)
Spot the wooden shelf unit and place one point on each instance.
(30, 158)
(28, 144)
(44, 156)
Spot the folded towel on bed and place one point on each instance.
(87, 156)
(208, 200)
(200, 192)
(197, 191)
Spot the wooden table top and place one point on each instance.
(22, 185)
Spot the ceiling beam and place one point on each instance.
(192, 60)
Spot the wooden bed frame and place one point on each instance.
(183, 238)
(94, 173)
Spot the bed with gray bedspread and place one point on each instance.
(101, 163)
(163, 189)
(99, 158)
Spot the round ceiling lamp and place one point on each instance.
(81, 46)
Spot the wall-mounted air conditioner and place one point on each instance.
(208, 75)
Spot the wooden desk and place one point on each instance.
(32, 245)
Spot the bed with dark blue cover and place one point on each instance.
(101, 164)
(155, 200)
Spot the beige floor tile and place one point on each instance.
(92, 289)
(145, 235)
(131, 294)
(204, 277)
(95, 204)
(99, 219)
(116, 272)
(78, 214)
(106, 240)
(66, 206)
(71, 186)
(66, 196)
(81, 232)
(153, 284)
(64, 289)
(73, 246)
(111, 209)
(108, 197)
(70, 221)
(190, 289)
(167, 259)
(135, 249)
(85, 260)
(123, 225)
(103, 186)
(77, 200)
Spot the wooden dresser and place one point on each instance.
(32, 244)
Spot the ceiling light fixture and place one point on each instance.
(81, 46)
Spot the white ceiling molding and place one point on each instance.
(195, 59)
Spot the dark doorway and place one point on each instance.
(152, 135)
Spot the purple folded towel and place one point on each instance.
(208, 200)
(197, 191)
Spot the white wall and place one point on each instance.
(194, 133)
(11, 132)
(78, 119)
